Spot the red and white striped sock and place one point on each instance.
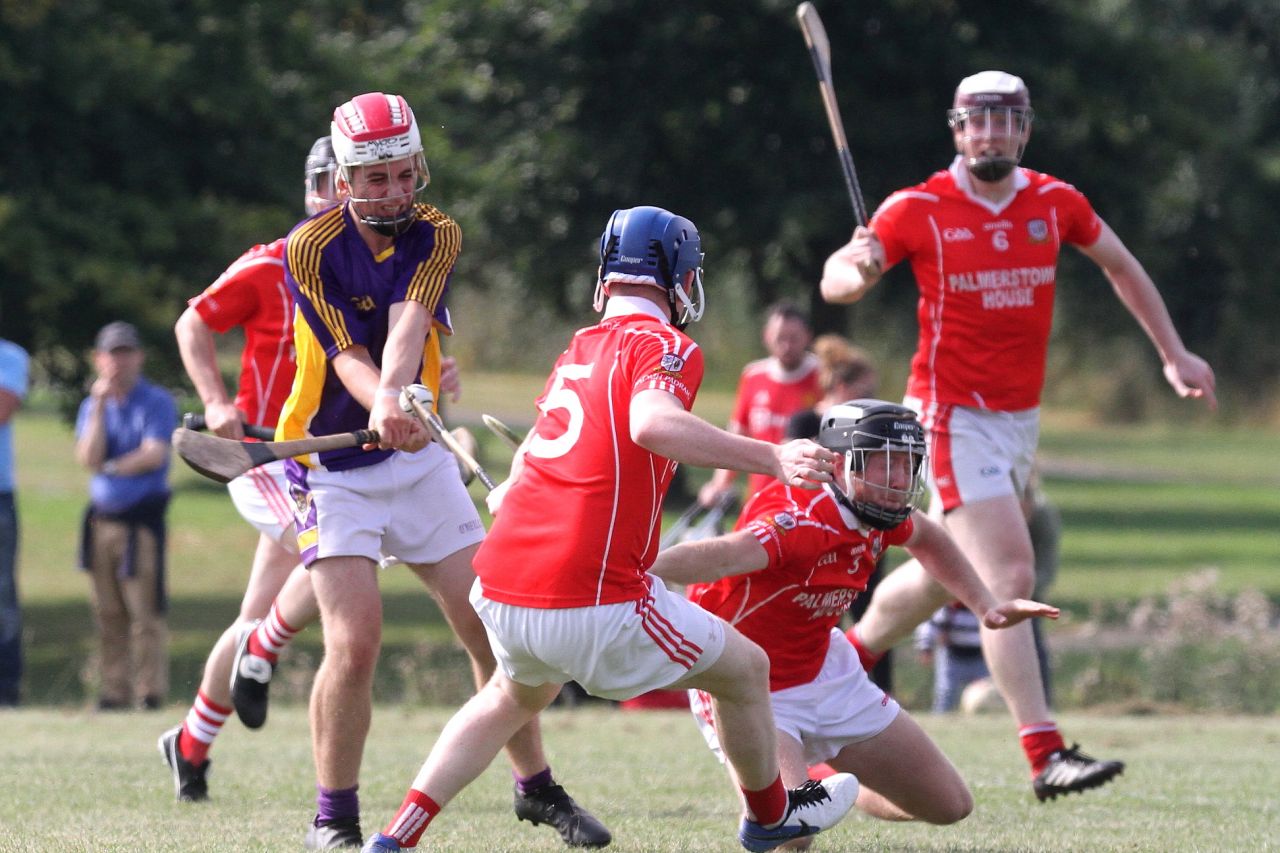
(411, 821)
(271, 636)
(201, 726)
(1039, 741)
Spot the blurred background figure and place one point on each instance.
(122, 436)
(13, 388)
(950, 641)
(770, 391)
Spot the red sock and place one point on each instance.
(270, 638)
(868, 658)
(411, 821)
(769, 805)
(1039, 741)
(201, 726)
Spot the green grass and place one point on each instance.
(94, 782)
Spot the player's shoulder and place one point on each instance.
(1042, 184)
(318, 230)
(436, 219)
(758, 367)
(927, 193)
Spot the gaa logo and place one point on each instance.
(672, 363)
(785, 520)
(954, 235)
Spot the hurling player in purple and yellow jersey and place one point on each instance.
(369, 278)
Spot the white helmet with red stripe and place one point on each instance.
(379, 130)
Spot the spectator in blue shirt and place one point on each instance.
(13, 388)
(122, 436)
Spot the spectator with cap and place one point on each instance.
(122, 436)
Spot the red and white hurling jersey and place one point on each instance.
(819, 560)
(580, 525)
(252, 293)
(986, 277)
(767, 398)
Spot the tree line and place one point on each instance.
(149, 143)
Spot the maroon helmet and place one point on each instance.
(991, 117)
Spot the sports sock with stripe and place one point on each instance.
(271, 636)
(201, 726)
(1039, 741)
(412, 819)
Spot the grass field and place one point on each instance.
(85, 782)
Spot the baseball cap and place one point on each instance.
(117, 335)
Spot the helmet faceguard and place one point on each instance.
(378, 131)
(652, 246)
(884, 450)
(319, 177)
(991, 119)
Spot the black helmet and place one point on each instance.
(859, 428)
(318, 175)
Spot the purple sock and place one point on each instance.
(534, 782)
(336, 804)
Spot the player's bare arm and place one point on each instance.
(708, 560)
(493, 500)
(408, 324)
(661, 425)
(943, 559)
(357, 372)
(1186, 372)
(854, 268)
(199, 354)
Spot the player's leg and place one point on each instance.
(346, 588)
(905, 776)
(110, 614)
(993, 535)
(538, 798)
(904, 599)
(738, 684)
(261, 640)
(467, 745)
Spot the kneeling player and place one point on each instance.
(787, 573)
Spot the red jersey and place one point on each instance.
(986, 276)
(767, 398)
(580, 525)
(252, 293)
(820, 558)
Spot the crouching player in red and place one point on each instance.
(790, 570)
(563, 588)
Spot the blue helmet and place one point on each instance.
(649, 245)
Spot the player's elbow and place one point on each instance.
(841, 291)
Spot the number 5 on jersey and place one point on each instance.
(560, 396)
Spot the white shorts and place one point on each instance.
(615, 651)
(410, 506)
(975, 454)
(839, 707)
(261, 496)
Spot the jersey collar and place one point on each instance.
(846, 514)
(620, 306)
(778, 374)
(964, 182)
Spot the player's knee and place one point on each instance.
(952, 807)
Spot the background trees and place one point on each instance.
(148, 143)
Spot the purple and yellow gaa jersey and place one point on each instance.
(343, 294)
